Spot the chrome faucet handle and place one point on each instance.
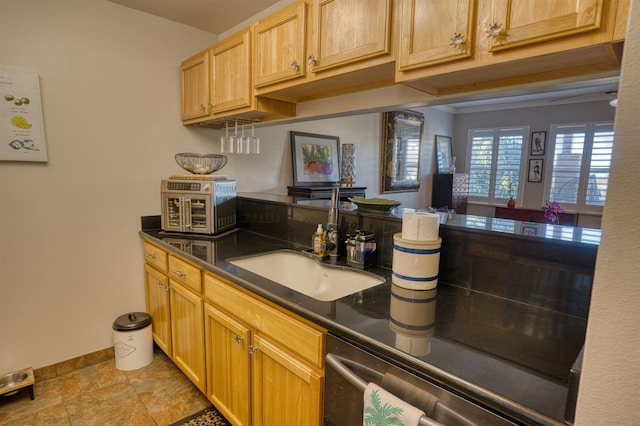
(331, 247)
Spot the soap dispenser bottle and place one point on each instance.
(319, 241)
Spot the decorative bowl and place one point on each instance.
(201, 164)
(374, 205)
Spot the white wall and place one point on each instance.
(609, 389)
(70, 257)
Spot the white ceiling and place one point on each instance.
(215, 16)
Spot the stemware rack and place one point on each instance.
(221, 123)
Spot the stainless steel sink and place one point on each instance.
(308, 276)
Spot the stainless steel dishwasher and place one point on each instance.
(349, 369)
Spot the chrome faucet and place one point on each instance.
(332, 225)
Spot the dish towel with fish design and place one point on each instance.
(384, 408)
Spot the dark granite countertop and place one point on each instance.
(507, 368)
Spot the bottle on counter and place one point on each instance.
(319, 243)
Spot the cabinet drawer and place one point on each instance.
(300, 338)
(155, 256)
(185, 273)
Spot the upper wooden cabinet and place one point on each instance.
(279, 43)
(520, 22)
(231, 67)
(347, 31)
(217, 85)
(320, 48)
(622, 16)
(194, 84)
(451, 39)
(498, 43)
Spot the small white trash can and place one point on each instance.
(133, 341)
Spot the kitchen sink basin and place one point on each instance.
(308, 276)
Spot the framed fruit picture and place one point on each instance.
(316, 159)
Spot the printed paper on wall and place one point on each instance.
(22, 126)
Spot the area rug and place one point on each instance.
(208, 417)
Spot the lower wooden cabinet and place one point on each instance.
(285, 390)
(159, 307)
(256, 362)
(228, 365)
(187, 333)
(254, 375)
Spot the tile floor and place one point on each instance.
(158, 394)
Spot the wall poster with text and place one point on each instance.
(21, 121)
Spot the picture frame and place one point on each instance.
(444, 153)
(530, 229)
(400, 151)
(315, 159)
(535, 170)
(538, 143)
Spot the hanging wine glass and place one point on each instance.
(236, 142)
(253, 142)
(225, 142)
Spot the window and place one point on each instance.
(495, 164)
(579, 174)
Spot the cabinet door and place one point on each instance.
(437, 31)
(346, 31)
(286, 391)
(228, 365)
(279, 46)
(158, 306)
(194, 84)
(231, 69)
(522, 22)
(187, 333)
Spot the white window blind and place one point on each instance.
(579, 174)
(495, 163)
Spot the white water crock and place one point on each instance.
(415, 264)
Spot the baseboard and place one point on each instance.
(64, 367)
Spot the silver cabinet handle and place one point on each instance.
(311, 60)
(457, 41)
(295, 66)
(179, 273)
(252, 350)
(494, 31)
(151, 256)
(238, 339)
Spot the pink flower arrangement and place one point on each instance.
(552, 211)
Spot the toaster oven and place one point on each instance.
(203, 205)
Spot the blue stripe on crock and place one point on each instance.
(417, 279)
(416, 251)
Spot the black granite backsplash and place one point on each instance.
(547, 273)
